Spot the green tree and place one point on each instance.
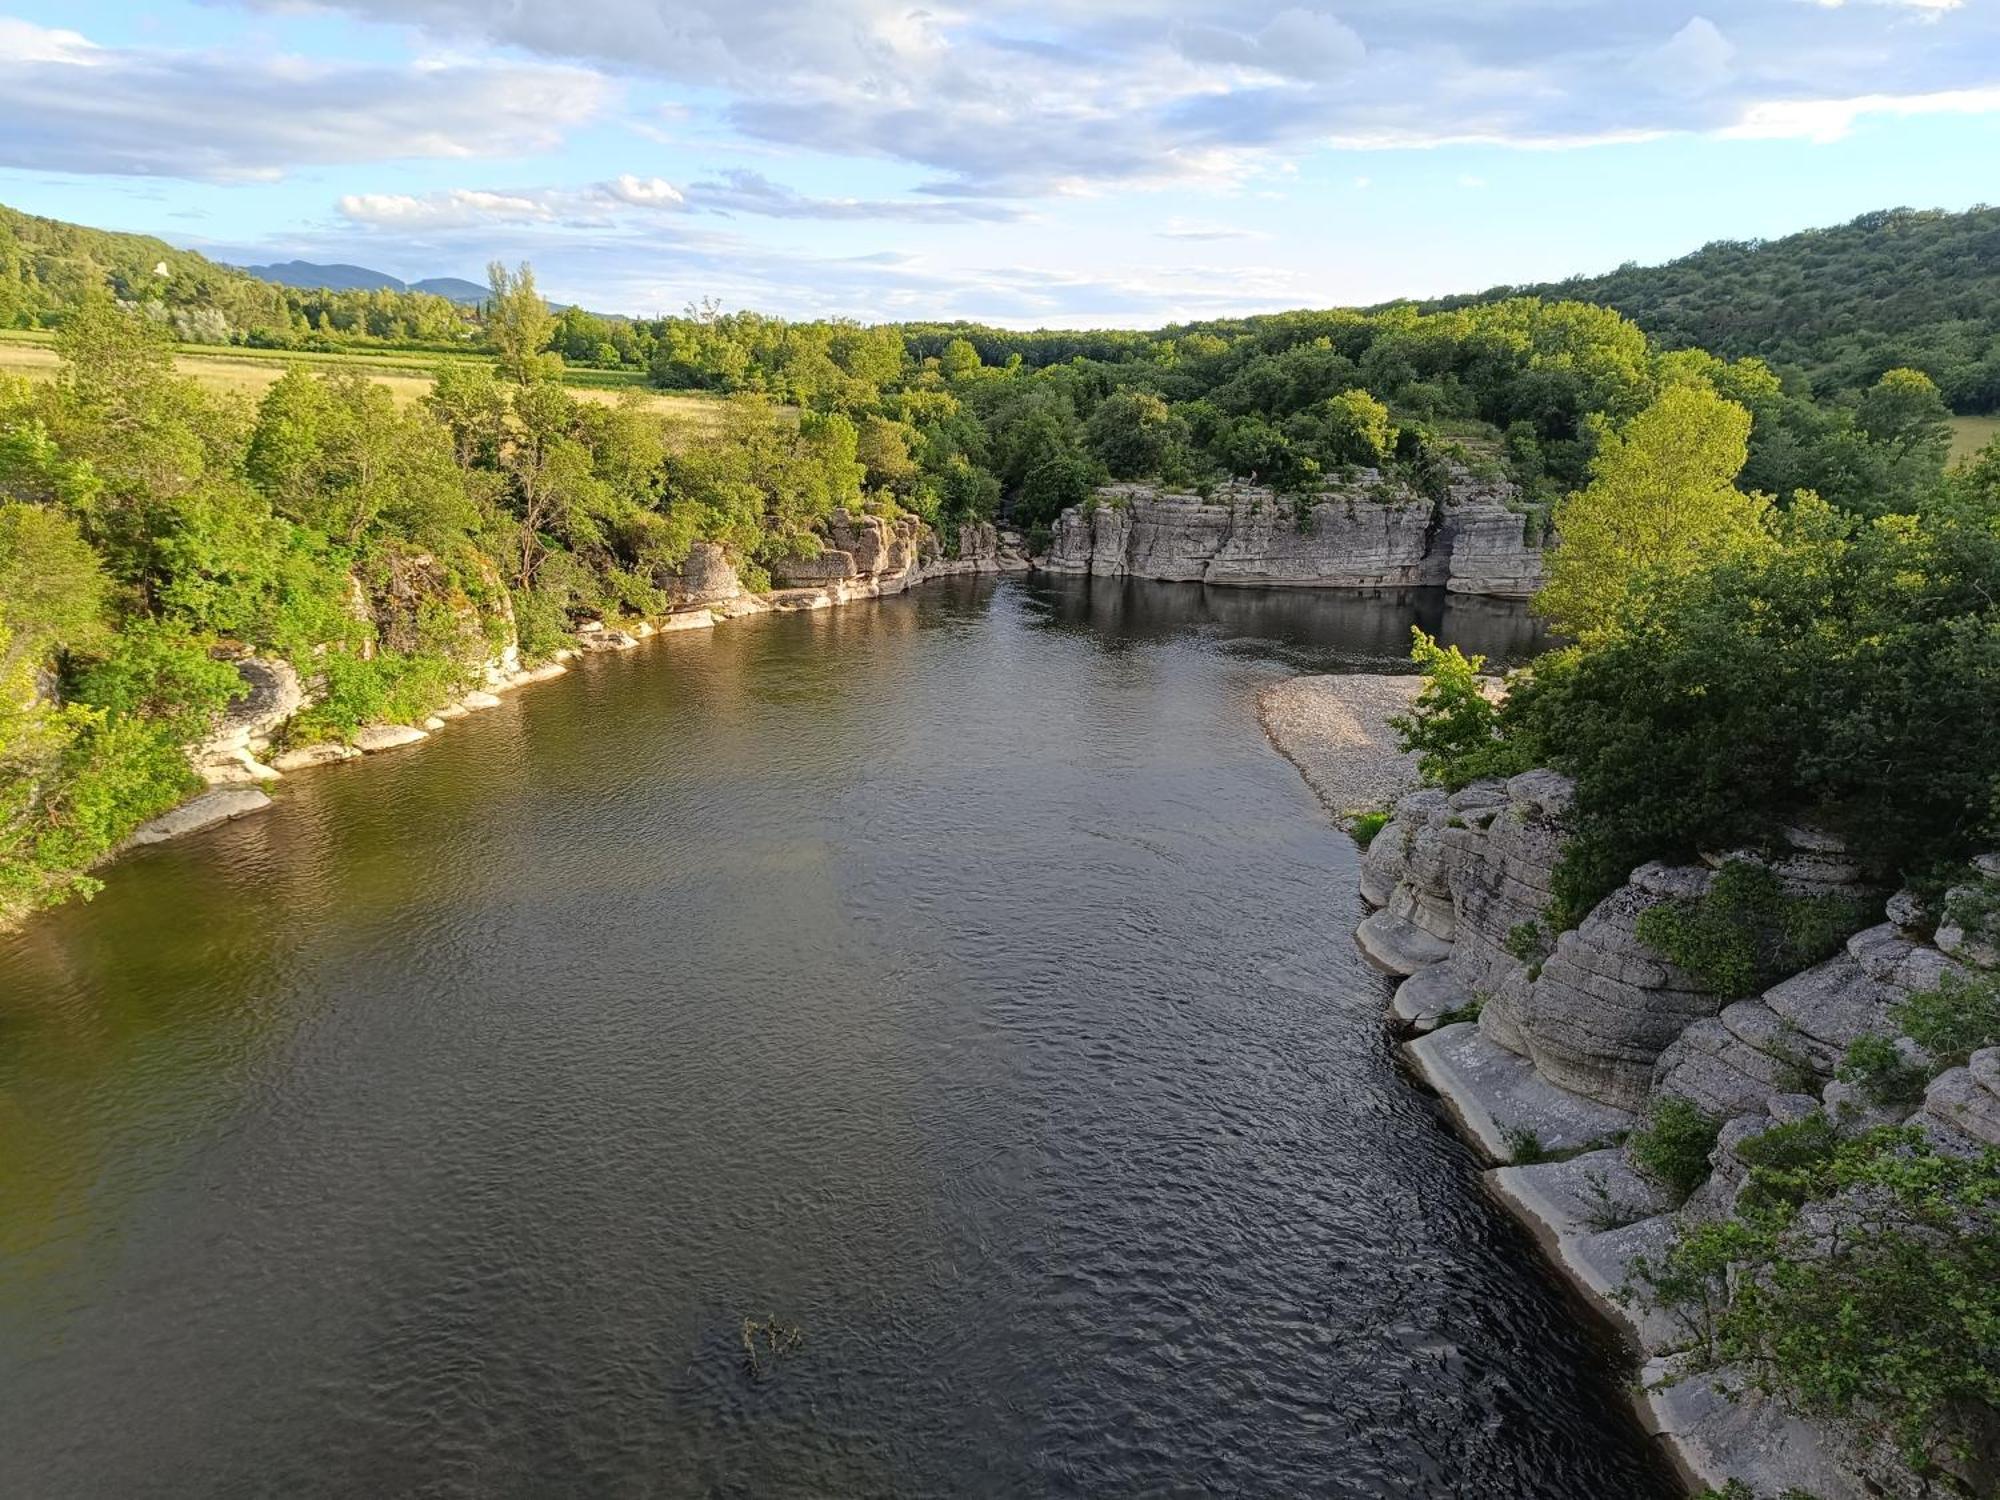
(519, 324)
(1661, 504)
(1134, 435)
(1905, 412)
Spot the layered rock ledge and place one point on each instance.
(1370, 531)
(1538, 1047)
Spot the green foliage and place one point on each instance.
(1879, 1069)
(1365, 825)
(1453, 726)
(1956, 1018)
(1746, 932)
(1846, 672)
(163, 674)
(1840, 305)
(1891, 1321)
(1526, 942)
(1525, 1148)
(519, 325)
(1674, 1145)
(393, 687)
(1661, 505)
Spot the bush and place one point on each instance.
(1454, 727)
(1954, 1020)
(1878, 1068)
(1365, 825)
(1674, 1145)
(1746, 933)
(1863, 1283)
(1809, 677)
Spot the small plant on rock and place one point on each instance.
(1884, 1074)
(1525, 1148)
(1363, 826)
(1674, 1145)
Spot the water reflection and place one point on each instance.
(1328, 630)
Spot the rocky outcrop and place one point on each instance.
(983, 548)
(1491, 545)
(1574, 1042)
(271, 695)
(1370, 531)
(705, 577)
(222, 804)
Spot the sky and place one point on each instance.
(1123, 162)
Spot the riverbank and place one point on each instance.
(1336, 731)
(1553, 1053)
(246, 753)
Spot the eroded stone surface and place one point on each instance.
(1369, 531)
(1497, 1094)
(205, 811)
(1747, 1438)
(371, 739)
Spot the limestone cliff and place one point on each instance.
(1368, 532)
(1572, 1041)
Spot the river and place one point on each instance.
(958, 980)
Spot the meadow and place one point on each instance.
(406, 373)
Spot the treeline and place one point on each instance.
(1521, 390)
(1840, 307)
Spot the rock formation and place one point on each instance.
(1573, 1041)
(1367, 532)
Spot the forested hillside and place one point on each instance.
(48, 269)
(1918, 289)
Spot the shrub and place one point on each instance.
(1863, 1284)
(1674, 1145)
(1365, 825)
(1453, 727)
(1746, 933)
(1954, 1020)
(1876, 1066)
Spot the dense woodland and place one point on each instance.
(1896, 289)
(1829, 310)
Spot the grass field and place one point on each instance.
(1971, 434)
(251, 372)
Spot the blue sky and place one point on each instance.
(1120, 162)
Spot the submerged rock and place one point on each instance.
(221, 805)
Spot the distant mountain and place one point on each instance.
(457, 288)
(311, 275)
(333, 278)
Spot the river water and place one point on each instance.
(959, 980)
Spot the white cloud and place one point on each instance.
(1295, 43)
(1827, 120)
(25, 42)
(650, 192)
(627, 197)
(1696, 59)
(1011, 98)
(74, 106)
